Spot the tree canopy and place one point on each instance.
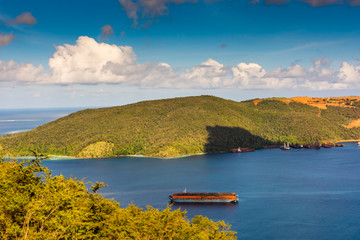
(36, 205)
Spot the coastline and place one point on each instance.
(60, 157)
(351, 140)
(52, 157)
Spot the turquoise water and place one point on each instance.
(298, 194)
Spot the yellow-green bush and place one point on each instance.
(99, 149)
(36, 205)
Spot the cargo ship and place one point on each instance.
(204, 197)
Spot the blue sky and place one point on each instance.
(105, 53)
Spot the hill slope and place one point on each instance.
(181, 126)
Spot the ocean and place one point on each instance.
(298, 194)
(18, 120)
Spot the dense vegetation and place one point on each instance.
(36, 205)
(182, 126)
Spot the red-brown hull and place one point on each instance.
(204, 197)
(236, 150)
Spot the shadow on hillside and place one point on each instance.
(222, 139)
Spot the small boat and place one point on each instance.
(309, 146)
(241, 150)
(285, 146)
(338, 145)
(326, 145)
(297, 145)
(236, 150)
(358, 143)
(247, 149)
(204, 197)
(315, 145)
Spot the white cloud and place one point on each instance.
(349, 73)
(294, 71)
(209, 74)
(90, 62)
(23, 73)
(86, 62)
(248, 76)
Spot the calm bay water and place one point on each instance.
(297, 194)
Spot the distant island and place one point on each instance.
(190, 125)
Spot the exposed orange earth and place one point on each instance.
(355, 123)
(321, 103)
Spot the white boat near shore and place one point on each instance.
(286, 146)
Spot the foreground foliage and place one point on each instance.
(181, 126)
(36, 205)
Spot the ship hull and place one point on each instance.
(204, 198)
(176, 200)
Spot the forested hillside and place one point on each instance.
(190, 125)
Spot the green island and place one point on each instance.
(36, 205)
(190, 125)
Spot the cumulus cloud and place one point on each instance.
(106, 31)
(209, 74)
(90, 62)
(248, 76)
(148, 9)
(24, 18)
(5, 39)
(349, 73)
(320, 63)
(317, 77)
(20, 73)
